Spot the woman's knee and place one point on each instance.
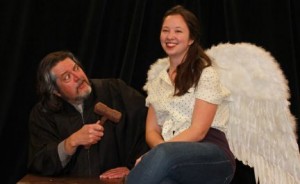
(164, 153)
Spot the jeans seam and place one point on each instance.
(228, 178)
(207, 163)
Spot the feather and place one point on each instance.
(261, 130)
(155, 69)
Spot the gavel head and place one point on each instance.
(107, 113)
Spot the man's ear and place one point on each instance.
(56, 93)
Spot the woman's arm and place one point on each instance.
(202, 119)
(153, 130)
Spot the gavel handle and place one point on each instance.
(103, 119)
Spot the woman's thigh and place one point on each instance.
(185, 162)
(193, 162)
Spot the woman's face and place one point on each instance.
(175, 36)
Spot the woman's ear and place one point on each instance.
(191, 42)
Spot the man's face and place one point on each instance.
(72, 83)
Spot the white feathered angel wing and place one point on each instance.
(261, 130)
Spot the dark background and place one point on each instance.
(120, 39)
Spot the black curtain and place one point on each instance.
(120, 39)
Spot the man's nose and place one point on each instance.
(76, 76)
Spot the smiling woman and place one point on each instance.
(187, 111)
(174, 38)
(123, 45)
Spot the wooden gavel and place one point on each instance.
(107, 113)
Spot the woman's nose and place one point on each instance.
(170, 35)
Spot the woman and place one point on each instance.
(187, 112)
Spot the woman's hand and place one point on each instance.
(138, 160)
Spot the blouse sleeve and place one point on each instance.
(209, 87)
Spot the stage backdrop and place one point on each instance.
(120, 39)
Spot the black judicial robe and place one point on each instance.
(121, 144)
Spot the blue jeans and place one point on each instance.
(183, 162)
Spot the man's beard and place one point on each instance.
(84, 94)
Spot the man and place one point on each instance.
(66, 135)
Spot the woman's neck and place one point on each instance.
(173, 64)
(172, 70)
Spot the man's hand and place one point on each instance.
(118, 172)
(86, 136)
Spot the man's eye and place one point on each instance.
(66, 78)
(76, 68)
